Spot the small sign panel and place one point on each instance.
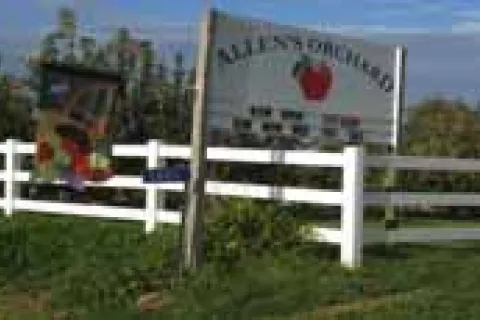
(172, 174)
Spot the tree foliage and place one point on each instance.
(442, 128)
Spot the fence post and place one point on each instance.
(11, 165)
(352, 208)
(154, 199)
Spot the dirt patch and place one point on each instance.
(24, 303)
(153, 301)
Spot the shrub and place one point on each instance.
(236, 228)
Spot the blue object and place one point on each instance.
(74, 181)
(173, 174)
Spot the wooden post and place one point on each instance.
(391, 219)
(181, 237)
(193, 233)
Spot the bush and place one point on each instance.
(238, 228)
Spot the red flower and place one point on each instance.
(69, 146)
(81, 166)
(80, 163)
(44, 152)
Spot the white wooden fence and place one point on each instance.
(351, 236)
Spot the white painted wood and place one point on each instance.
(25, 147)
(374, 235)
(428, 235)
(154, 198)
(287, 194)
(79, 209)
(175, 151)
(398, 102)
(12, 161)
(130, 150)
(423, 163)
(314, 159)
(292, 157)
(352, 208)
(53, 207)
(118, 150)
(119, 181)
(169, 216)
(326, 235)
(304, 158)
(416, 199)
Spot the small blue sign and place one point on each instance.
(173, 174)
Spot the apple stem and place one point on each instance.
(305, 61)
(296, 69)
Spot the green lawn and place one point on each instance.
(96, 269)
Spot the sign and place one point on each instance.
(173, 174)
(258, 80)
(74, 124)
(265, 79)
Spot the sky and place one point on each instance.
(442, 36)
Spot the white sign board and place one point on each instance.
(259, 79)
(267, 79)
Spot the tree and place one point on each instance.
(88, 45)
(447, 129)
(67, 29)
(442, 128)
(49, 49)
(14, 110)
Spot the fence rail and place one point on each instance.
(351, 236)
(423, 163)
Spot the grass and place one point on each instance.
(95, 269)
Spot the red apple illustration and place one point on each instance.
(315, 80)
